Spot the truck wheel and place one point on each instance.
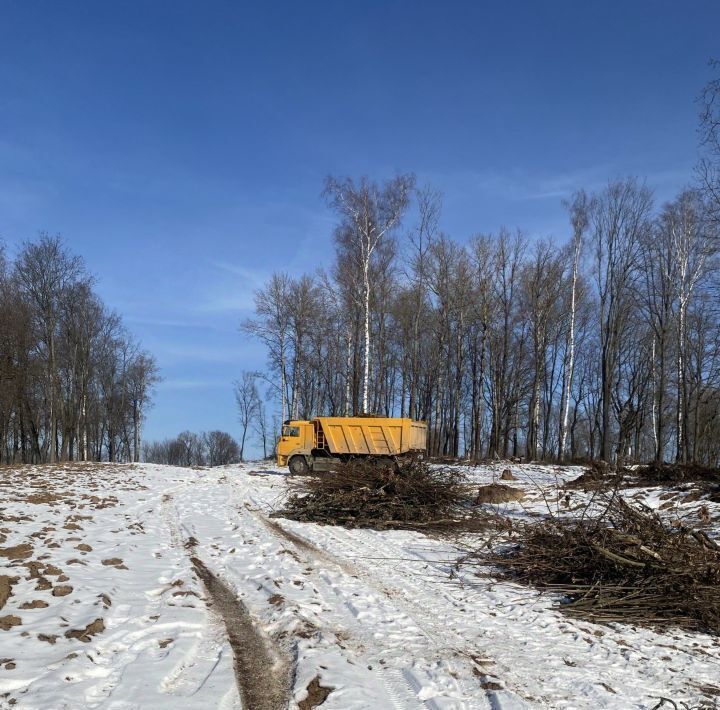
(298, 466)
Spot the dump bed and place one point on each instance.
(377, 436)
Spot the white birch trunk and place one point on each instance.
(569, 353)
(348, 368)
(656, 434)
(366, 374)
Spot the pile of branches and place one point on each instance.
(407, 495)
(654, 474)
(597, 476)
(625, 565)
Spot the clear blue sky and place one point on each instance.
(180, 147)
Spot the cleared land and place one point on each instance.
(151, 586)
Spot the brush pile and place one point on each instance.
(657, 474)
(625, 565)
(409, 495)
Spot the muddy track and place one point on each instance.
(263, 672)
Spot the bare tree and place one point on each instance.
(272, 326)
(46, 270)
(221, 448)
(618, 216)
(708, 169)
(578, 209)
(142, 377)
(687, 230)
(247, 399)
(368, 213)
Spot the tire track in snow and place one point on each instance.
(401, 685)
(409, 594)
(263, 672)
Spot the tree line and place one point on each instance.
(213, 448)
(74, 383)
(604, 345)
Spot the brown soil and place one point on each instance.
(498, 493)
(115, 562)
(39, 498)
(17, 552)
(7, 622)
(35, 604)
(83, 547)
(507, 475)
(262, 671)
(34, 566)
(62, 590)
(50, 638)
(84, 635)
(316, 694)
(6, 584)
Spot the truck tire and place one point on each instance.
(298, 466)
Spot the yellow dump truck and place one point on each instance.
(319, 443)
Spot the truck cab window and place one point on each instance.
(291, 431)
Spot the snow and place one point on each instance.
(386, 619)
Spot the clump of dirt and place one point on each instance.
(115, 562)
(83, 547)
(597, 476)
(316, 694)
(498, 493)
(6, 584)
(40, 498)
(49, 638)
(84, 635)
(17, 552)
(35, 604)
(34, 566)
(62, 590)
(7, 622)
(507, 475)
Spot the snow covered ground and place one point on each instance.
(119, 580)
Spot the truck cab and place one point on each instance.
(295, 445)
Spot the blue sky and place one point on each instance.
(180, 147)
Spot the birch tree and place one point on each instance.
(578, 209)
(369, 213)
(691, 245)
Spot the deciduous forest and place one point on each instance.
(74, 384)
(600, 343)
